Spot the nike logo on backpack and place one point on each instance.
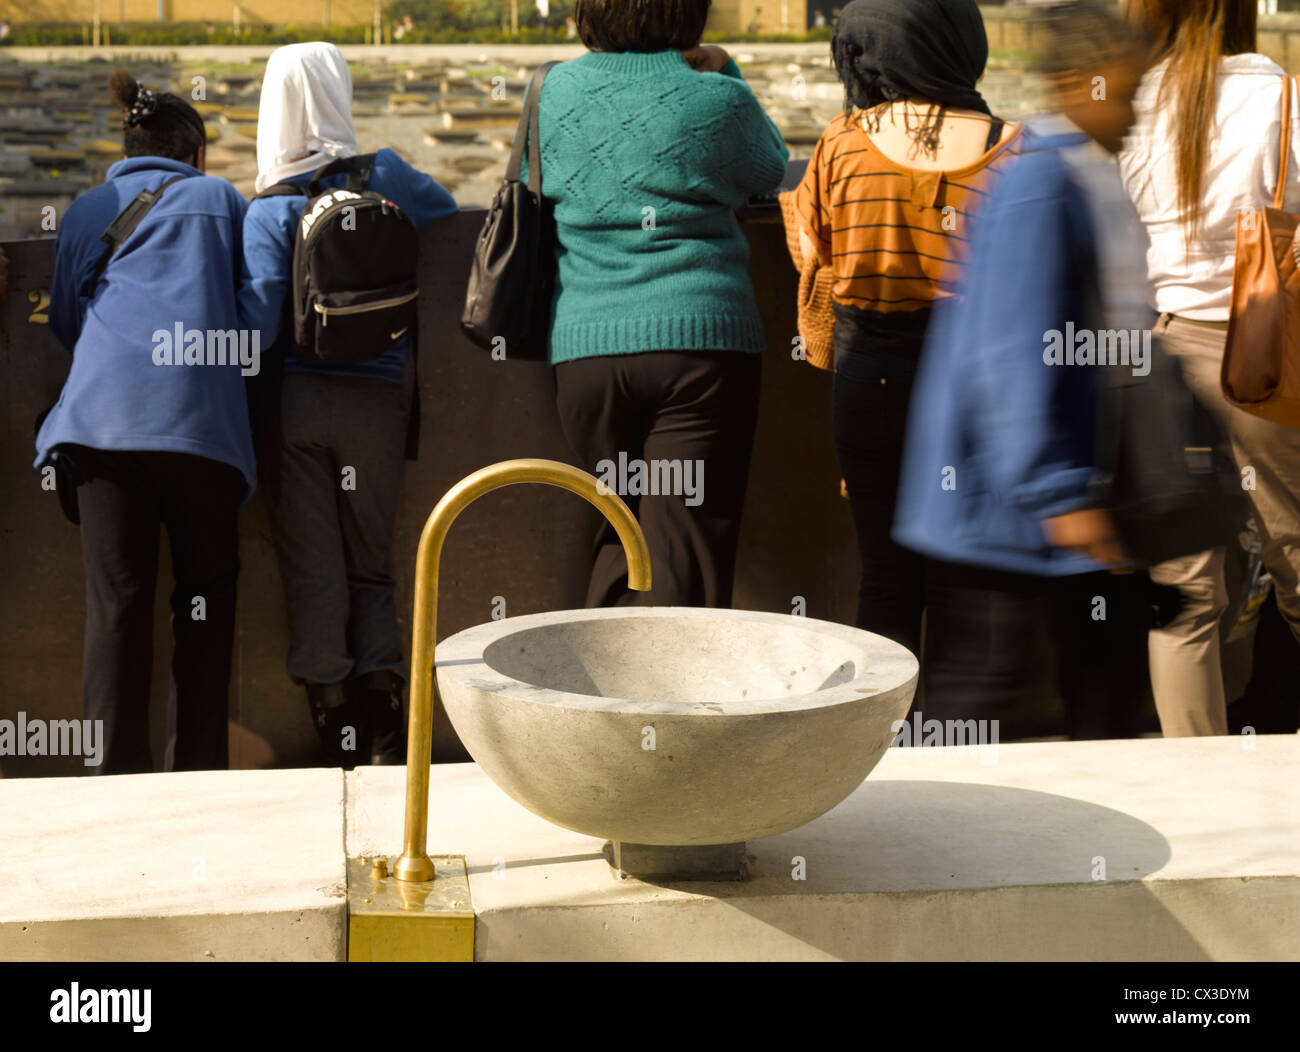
(397, 334)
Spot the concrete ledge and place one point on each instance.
(238, 865)
(1186, 850)
(937, 856)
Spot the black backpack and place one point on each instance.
(354, 268)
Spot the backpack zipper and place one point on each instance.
(362, 308)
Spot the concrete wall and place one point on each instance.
(527, 544)
(111, 12)
(728, 16)
(1184, 849)
(1009, 28)
(770, 16)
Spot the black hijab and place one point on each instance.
(926, 50)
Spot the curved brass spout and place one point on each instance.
(415, 863)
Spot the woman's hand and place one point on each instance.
(707, 58)
(1091, 532)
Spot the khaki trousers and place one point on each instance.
(1186, 669)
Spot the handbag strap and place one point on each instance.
(1284, 144)
(526, 134)
(123, 225)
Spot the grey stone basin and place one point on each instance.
(674, 726)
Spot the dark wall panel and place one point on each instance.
(527, 544)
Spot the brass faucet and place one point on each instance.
(415, 863)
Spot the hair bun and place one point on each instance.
(132, 96)
(122, 89)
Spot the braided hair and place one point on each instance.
(155, 124)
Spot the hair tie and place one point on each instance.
(145, 105)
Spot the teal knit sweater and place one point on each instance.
(644, 160)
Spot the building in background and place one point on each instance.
(729, 16)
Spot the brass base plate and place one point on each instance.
(401, 920)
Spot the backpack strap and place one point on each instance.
(126, 222)
(413, 419)
(358, 168)
(283, 190)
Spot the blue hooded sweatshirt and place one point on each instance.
(997, 439)
(167, 297)
(271, 228)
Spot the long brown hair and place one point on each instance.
(1193, 35)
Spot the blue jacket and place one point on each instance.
(998, 440)
(175, 275)
(271, 227)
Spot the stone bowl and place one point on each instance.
(674, 725)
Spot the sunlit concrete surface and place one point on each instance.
(1186, 849)
(940, 854)
(215, 866)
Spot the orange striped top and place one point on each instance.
(894, 237)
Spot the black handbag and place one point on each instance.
(508, 301)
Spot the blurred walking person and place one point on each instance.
(1000, 472)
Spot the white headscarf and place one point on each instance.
(305, 117)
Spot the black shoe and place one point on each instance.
(379, 697)
(344, 735)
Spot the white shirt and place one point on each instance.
(1195, 281)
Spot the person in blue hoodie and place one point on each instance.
(334, 541)
(152, 424)
(999, 479)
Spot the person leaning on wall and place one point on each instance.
(335, 544)
(655, 332)
(889, 205)
(154, 434)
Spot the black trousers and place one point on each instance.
(696, 406)
(333, 512)
(868, 424)
(124, 497)
(994, 641)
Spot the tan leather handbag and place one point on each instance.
(1261, 361)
